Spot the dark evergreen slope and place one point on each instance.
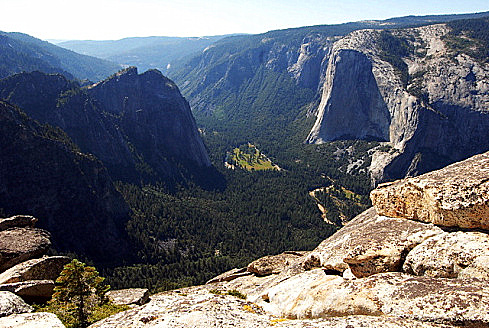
(42, 173)
(158, 52)
(21, 52)
(139, 126)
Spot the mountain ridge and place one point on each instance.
(139, 126)
(22, 52)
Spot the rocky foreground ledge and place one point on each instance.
(377, 271)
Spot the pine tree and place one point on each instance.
(80, 288)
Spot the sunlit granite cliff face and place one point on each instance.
(411, 88)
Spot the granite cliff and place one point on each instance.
(412, 88)
(420, 91)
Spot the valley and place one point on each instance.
(167, 161)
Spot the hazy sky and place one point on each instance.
(115, 19)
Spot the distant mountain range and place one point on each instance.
(21, 52)
(160, 52)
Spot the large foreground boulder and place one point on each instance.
(45, 268)
(455, 196)
(11, 304)
(21, 244)
(370, 244)
(315, 294)
(451, 255)
(198, 307)
(32, 320)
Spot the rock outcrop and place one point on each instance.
(45, 268)
(370, 244)
(19, 221)
(455, 196)
(377, 271)
(314, 294)
(130, 296)
(28, 320)
(273, 264)
(33, 277)
(451, 255)
(20, 244)
(31, 291)
(12, 304)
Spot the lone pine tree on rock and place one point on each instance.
(80, 289)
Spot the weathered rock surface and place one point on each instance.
(448, 255)
(45, 268)
(197, 307)
(17, 221)
(28, 320)
(129, 296)
(11, 304)
(230, 275)
(455, 196)
(31, 291)
(21, 244)
(347, 281)
(314, 294)
(370, 244)
(273, 264)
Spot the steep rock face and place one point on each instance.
(155, 117)
(429, 102)
(51, 98)
(350, 84)
(137, 125)
(69, 192)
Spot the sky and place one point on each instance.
(116, 19)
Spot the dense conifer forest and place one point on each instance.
(187, 234)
